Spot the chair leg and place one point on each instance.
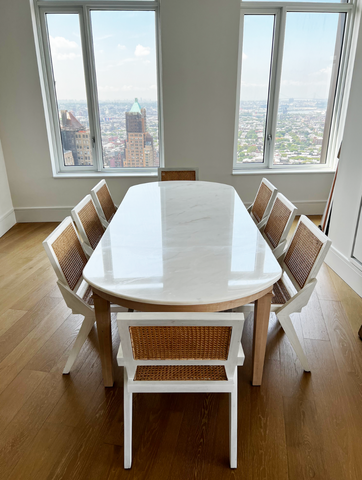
(290, 332)
(83, 333)
(233, 427)
(127, 423)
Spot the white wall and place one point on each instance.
(199, 60)
(7, 215)
(348, 191)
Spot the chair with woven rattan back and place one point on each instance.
(180, 352)
(177, 174)
(65, 252)
(280, 220)
(103, 202)
(88, 223)
(263, 202)
(300, 262)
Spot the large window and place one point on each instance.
(102, 85)
(292, 65)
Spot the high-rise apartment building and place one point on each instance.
(139, 151)
(75, 139)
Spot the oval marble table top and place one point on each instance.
(182, 243)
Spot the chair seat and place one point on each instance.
(87, 297)
(280, 293)
(180, 372)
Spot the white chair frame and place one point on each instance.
(125, 358)
(177, 169)
(268, 208)
(73, 298)
(82, 233)
(97, 203)
(278, 250)
(299, 296)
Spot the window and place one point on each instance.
(292, 65)
(100, 63)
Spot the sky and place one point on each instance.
(308, 56)
(124, 51)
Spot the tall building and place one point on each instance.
(75, 139)
(139, 151)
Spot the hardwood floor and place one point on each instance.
(295, 426)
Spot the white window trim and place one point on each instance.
(280, 9)
(83, 7)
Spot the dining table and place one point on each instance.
(186, 247)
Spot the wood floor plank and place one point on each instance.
(337, 429)
(312, 320)
(9, 318)
(325, 288)
(14, 397)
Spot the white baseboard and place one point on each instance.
(7, 221)
(345, 269)
(41, 214)
(306, 207)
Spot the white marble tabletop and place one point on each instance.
(182, 243)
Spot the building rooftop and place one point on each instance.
(136, 107)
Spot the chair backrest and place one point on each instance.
(88, 223)
(66, 254)
(103, 202)
(279, 222)
(168, 174)
(305, 253)
(263, 201)
(180, 346)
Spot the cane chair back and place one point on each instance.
(180, 352)
(103, 202)
(176, 174)
(280, 220)
(88, 224)
(261, 207)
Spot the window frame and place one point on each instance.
(331, 143)
(83, 9)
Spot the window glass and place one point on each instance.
(310, 65)
(126, 71)
(255, 75)
(71, 97)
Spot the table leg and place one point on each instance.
(261, 323)
(103, 318)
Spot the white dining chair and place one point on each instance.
(182, 173)
(260, 208)
(180, 352)
(103, 202)
(279, 223)
(300, 263)
(88, 224)
(65, 252)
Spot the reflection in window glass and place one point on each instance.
(126, 71)
(255, 73)
(67, 63)
(310, 63)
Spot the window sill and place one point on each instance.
(103, 174)
(282, 171)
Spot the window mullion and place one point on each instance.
(275, 85)
(90, 78)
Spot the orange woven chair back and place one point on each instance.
(106, 202)
(302, 254)
(261, 202)
(91, 224)
(167, 175)
(277, 221)
(180, 343)
(70, 255)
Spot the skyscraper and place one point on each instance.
(139, 151)
(75, 139)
